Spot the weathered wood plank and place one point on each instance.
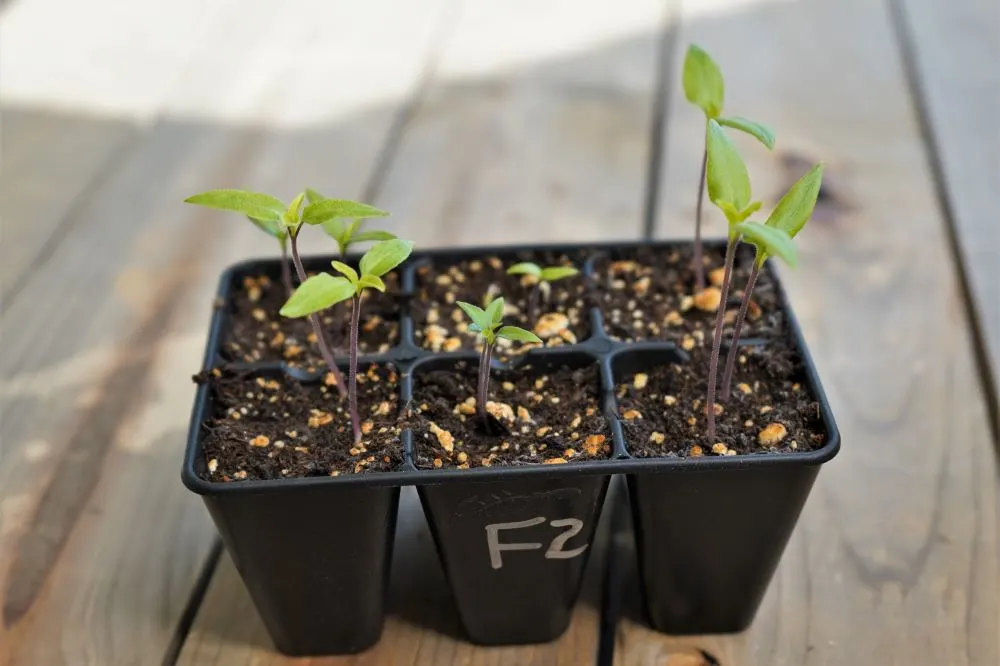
(50, 160)
(894, 559)
(100, 544)
(955, 47)
(541, 137)
(65, 119)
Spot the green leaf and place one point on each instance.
(517, 334)
(346, 271)
(252, 204)
(322, 211)
(525, 268)
(334, 229)
(352, 229)
(370, 281)
(795, 208)
(553, 273)
(495, 311)
(703, 83)
(475, 328)
(269, 227)
(317, 293)
(294, 208)
(728, 180)
(384, 256)
(769, 241)
(762, 133)
(312, 196)
(373, 235)
(477, 315)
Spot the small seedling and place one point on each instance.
(783, 224)
(543, 276)
(705, 88)
(322, 291)
(337, 227)
(267, 212)
(488, 324)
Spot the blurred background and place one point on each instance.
(474, 122)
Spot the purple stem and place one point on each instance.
(482, 387)
(352, 380)
(286, 273)
(324, 347)
(713, 367)
(727, 376)
(533, 301)
(699, 263)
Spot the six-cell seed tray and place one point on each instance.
(314, 552)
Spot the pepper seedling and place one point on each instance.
(323, 290)
(545, 276)
(488, 324)
(783, 224)
(268, 213)
(344, 233)
(705, 88)
(729, 189)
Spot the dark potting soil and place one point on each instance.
(257, 332)
(649, 294)
(440, 325)
(549, 417)
(770, 409)
(274, 427)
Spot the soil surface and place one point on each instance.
(258, 333)
(550, 417)
(649, 294)
(770, 409)
(440, 325)
(273, 426)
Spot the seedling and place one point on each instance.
(271, 214)
(488, 324)
(322, 291)
(787, 219)
(346, 234)
(705, 88)
(545, 276)
(729, 189)
(266, 212)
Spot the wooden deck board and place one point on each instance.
(955, 48)
(894, 558)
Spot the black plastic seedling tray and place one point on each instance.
(513, 540)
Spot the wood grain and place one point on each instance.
(535, 128)
(894, 560)
(541, 137)
(100, 544)
(951, 44)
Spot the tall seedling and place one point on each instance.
(789, 216)
(266, 212)
(705, 88)
(729, 189)
(488, 324)
(322, 291)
